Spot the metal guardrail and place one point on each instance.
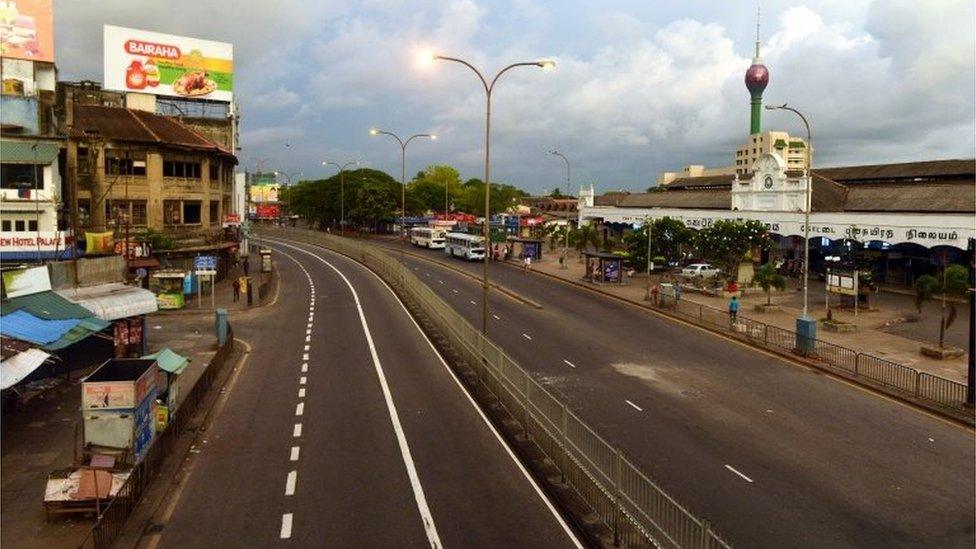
(626, 499)
(109, 523)
(881, 373)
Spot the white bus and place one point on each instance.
(468, 246)
(427, 237)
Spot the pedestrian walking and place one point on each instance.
(677, 292)
(733, 309)
(237, 289)
(527, 260)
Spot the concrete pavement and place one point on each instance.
(772, 453)
(344, 428)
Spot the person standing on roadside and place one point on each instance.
(237, 289)
(733, 309)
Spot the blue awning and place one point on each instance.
(50, 334)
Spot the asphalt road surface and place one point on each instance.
(774, 454)
(345, 429)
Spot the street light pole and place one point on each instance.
(544, 64)
(566, 238)
(561, 155)
(342, 192)
(403, 175)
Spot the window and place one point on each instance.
(84, 211)
(214, 171)
(178, 167)
(172, 212)
(6, 225)
(120, 212)
(32, 225)
(19, 225)
(139, 217)
(191, 212)
(214, 211)
(125, 163)
(19, 176)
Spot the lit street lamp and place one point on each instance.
(804, 324)
(342, 192)
(489, 87)
(403, 174)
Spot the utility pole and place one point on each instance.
(650, 264)
(971, 377)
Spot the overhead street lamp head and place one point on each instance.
(433, 136)
(546, 64)
(775, 107)
(374, 131)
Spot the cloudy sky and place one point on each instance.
(639, 87)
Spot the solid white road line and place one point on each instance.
(568, 363)
(496, 317)
(636, 407)
(527, 336)
(301, 393)
(286, 525)
(730, 468)
(294, 452)
(297, 431)
(299, 408)
(290, 483)
(418, 490)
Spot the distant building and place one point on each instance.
(793, 150)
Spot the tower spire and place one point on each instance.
(757, 77)
(756, 59)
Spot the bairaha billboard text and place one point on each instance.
(27, 30)
(164, 64)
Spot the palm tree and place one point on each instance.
(954, 280)
(767, 278)
(584, 236)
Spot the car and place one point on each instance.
(703, 270)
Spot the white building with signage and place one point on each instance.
(912, 213)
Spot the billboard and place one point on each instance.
(165, 64)
(27, 30)
(264, 193)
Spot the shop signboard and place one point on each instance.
(165, 64)
(46, 241)
(205, 263)
(842, 283)
(18, 282)
(109, 387)
(170, 301)
(27, 30)
(267, 211)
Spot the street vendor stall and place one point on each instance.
(167, 284)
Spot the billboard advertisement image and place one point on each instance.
(165, 64)
(27, 29)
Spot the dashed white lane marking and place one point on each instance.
(308, 338)
(527, 336)
(305, 367)
(496, 317)
(309, 326)
(440, 281)
(299, 408)
(290, 483)
(472, 302)
(302, 380)
(730, 468)
(310, 318)
(568, 363)
(301, 393)
(297, 431)
(305, 356)
(308, 331)
(286, 525)
(453, 290)
(294, 453)
(427, 275)
(418, 490)
(307, 347)
(634, 406)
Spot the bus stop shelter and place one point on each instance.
(603, 268)
(532, 244)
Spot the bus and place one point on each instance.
(427, 237)
(468, 246)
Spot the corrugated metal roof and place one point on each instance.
(14, 369)
(707, 199)
(25, 326)
(45, 305)
(22, 152)
(86, 327)
(169, 361)
(112, 301)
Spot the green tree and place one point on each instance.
(727, 242)
(319, 201)
(433, 185)
(668, 237)
(767, 278)
(954, 280)
(471, 197)
(584, 236)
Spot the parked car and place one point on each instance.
(703, 270)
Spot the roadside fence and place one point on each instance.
(881, 373)
(111, 519)
(624, 497)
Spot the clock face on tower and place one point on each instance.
(768, 182)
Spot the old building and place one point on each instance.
(144, 170)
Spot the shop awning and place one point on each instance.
(16, 368)
(50, 334)
(169, 360)
(25, 152)
(112, 301)
(47, 305)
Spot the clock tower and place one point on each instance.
(772, 188)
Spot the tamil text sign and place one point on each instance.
(165, 64)
(27, 30)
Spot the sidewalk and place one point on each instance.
(42, 438)
(883, 331)
(262, 284)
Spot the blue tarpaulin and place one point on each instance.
(25, 326)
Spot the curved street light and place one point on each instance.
(403, 174)
(489, 87)
(562, 264)
(342, 191)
